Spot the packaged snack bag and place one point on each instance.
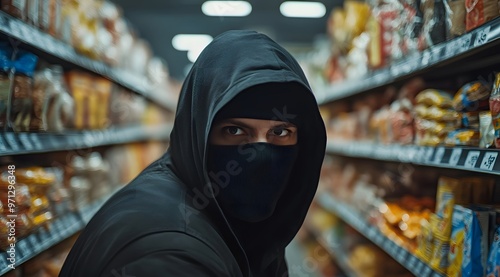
(434, 97)
(476, 222)
(493, 264)
(425, 240)
(455, 256)
(495, 109)
(439, 261)
(472, 97)
(486, 130)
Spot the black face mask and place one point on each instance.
(249, 179)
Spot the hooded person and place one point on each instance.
(235, 184)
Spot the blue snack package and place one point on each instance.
(493, 265)
(25, 63)
(476, 241)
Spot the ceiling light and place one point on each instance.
(194, 53)
(186, 42)
(226, 8)
(303, 9)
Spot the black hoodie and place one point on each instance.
(166, 222)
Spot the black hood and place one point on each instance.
(232, 63)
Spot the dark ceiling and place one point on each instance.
(159, 21)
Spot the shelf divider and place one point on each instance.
(460, 158)
(60, 229)
(45, 43)
(31, 143)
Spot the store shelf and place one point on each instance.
(337, 254)
(400, 254)
(29, 35)
(59, 230)
(29, 143)
(454, 49)
(461, 158)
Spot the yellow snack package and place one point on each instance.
(463, 137)
(455, 256)
(425, 240)
(434, 97)
(450, 192)
(439, 260)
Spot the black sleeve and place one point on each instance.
(168, 254)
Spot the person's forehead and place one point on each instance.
(253, 121)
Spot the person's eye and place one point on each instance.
(233, 130)
(281, 132)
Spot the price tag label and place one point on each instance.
(58, 227)
(4, 23)
(450, 49)
(419, 265)
(455, 156)
(379, 78)
(25, 141)
(428, 154)
(61, 49)
(35, 140)
(412, 263)
(472, 158)
(482, 36)
(3, 261)
(11, 140)
(420, 156)
(3, 145)
(465, 42)
(23, 248)
(427, 271)
(395, 70)
(438, 157)
(58, 142)
(489, 160)
(43, 236)
(50, 44)
(36, 37)
(426, 57)
(34, 242)
(16, 29)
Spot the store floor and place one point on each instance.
(298, 264)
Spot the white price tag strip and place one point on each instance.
(438, 157)
(426, 57)
(24, 138)
(489, 160)
(455, 156)
(482, 36)
(472, 158)
(34, 242)
(4, 24)
(36, 140)
(11, 140)
(421, 155)
(3, 145)
(23, 248)
(428, 154)
(465, 42)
